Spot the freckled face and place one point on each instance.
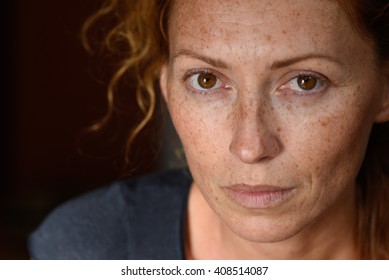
(274, 102)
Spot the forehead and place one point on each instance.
(252, 11)
(259, 25)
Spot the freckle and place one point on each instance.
(324, 122)
(229, 116)
(268, 37)
(283, 31)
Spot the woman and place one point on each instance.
(281, 107)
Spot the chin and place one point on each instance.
(265, 230)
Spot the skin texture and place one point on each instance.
(256, 127)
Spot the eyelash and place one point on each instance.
(322, 83)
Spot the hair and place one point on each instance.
(371, 19)
(133, 34)
(138, 35)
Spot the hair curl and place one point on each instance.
(136, 37)
(139, 36)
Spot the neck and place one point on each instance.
(329, 237)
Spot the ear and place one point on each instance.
(383, 114)
(163, 80)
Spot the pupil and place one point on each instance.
(306, 82)
(206, 80)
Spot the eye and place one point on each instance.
(204, 81)
(305, 84)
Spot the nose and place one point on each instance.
(253, 140)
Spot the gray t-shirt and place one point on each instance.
(142, 218)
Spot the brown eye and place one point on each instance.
(306, 82)
(206, 80)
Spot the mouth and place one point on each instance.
(259, 196)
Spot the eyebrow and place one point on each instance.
(294, 60)
(211, 61)
(218, 63)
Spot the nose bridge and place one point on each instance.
(252, 138)
(251, 119)
(252, 109)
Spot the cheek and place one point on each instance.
(332, 144)
(200, 133)
(203, 131)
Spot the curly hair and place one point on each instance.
(134, 32)
(138, 36)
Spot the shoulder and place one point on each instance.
(103, 224)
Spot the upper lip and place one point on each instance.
(256, 188)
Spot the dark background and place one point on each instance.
(50, 92)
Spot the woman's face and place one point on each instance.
(273, 101)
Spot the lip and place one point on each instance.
(259, 196)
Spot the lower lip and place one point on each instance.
(259, 199)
